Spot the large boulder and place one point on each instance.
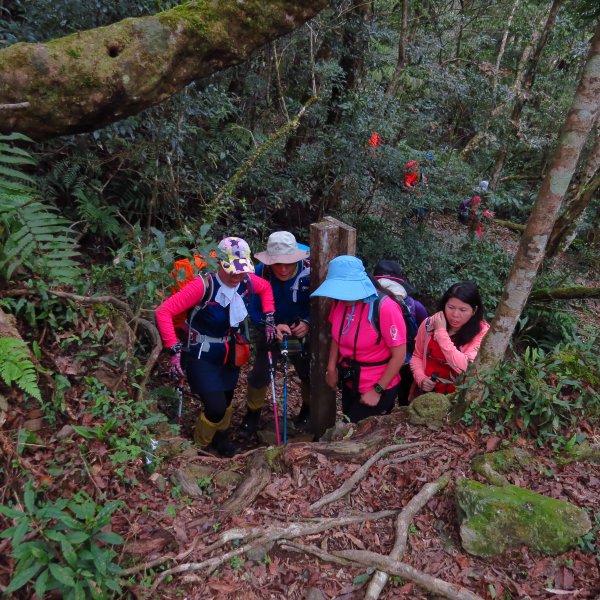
(494, 519)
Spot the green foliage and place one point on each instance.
(16, 366)
(64, 545)
(542, 394)
(33, 235)
(144, 266)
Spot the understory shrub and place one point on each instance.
(541, 394)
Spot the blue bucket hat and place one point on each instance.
(346, 280)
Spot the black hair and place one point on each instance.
(469, 293)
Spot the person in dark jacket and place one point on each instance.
(388, 274)
(285, 266)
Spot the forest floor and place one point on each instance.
(253, 552)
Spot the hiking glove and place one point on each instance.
(270, 328)
(175, 370)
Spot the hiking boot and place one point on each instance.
(223, 446)
(249, 423)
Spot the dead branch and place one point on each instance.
(258, 477)
(14, 105)
(415, 504)
(434, 585)
(401, 459)
(510, 225)
(266, 536)
(351, 482)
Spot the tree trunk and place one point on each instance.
(92, 78)
(402, 42)
(563, 232)
(503, 46)
(524, 82)
(578, 124)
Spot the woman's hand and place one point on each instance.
(370, 398)
(300, 329)
(331, 377)
(281, 329)
(438, 320)
(427, 385)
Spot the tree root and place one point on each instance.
(403, 521)
(260, 536)
(365, 558)
(351, 482)
(257, 479)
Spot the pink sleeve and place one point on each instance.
(391, 323)
(264, 290)
(179, 302)
(417, 361)
(459, 359)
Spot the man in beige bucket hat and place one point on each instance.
(285, 265)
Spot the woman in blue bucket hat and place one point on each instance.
(363, 361)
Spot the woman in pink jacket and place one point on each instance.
(449, 340)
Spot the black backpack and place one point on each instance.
(409, 321)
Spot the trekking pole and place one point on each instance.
(275, 412)
(284, 354)
(179, 390)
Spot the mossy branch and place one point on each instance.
(218, 204)
(87, 80)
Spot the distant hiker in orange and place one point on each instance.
(415, 181)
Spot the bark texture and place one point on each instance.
(92, 78)
(578, 124)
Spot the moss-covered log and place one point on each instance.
(92, 78)
(576, 292)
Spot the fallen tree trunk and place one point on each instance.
(576, 292)
(87, 80)
(510, 225)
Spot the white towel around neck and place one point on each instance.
(228, 296)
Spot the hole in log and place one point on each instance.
(113, 51)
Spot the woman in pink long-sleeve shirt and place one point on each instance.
(221, 301)
(449, 340)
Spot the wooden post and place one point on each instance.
(328, 239)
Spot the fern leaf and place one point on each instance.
(16, 366)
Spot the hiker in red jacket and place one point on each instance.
(212, 323)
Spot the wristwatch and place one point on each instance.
(175, 349)
(378, 388)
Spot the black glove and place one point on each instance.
(270, 328)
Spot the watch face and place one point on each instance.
(378, 389)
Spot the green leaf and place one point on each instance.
(77, 537)
(20, 532)
(63, 575)
(69, 553)
(11, 512)
(22, 577)
(41, 583)
(110, 537)
(29, 497)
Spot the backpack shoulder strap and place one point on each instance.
(209, 286)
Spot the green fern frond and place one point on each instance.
(16, 366)
(33, 234)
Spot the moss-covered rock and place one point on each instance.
(429, 409)
(492, 464)
(580, 452)
(494, 519)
